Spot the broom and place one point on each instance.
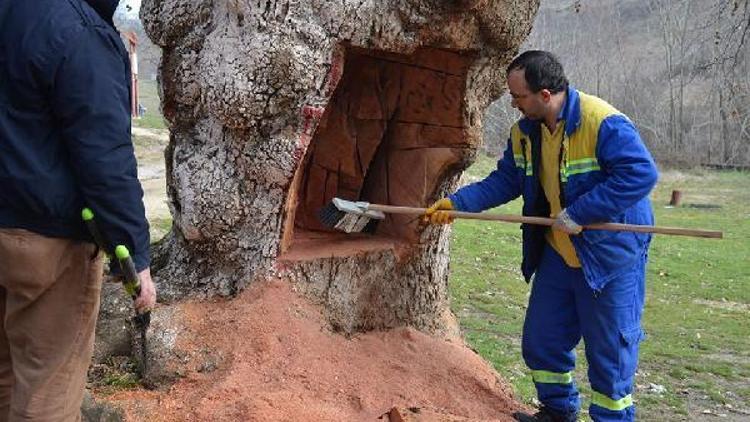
(356, 217)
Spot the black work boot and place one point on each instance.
(545, 414)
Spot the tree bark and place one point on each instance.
(275, 107)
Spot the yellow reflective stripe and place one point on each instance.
(591, 160)
(521, 163)
(564, 161)
(601, 400)
(583, 170)
(583, 165)
(547, 377)
(563, 174)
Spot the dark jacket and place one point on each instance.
(65, 123)
(606, 174)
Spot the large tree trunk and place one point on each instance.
(276, 107)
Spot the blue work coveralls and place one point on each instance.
(606, 174)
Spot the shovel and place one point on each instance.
(131, 281)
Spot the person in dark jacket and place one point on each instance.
(64, 145)
(577, 159)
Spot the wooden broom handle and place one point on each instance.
(543, 221)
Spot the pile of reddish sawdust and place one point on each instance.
(282, 364)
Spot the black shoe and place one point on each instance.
(545, 414)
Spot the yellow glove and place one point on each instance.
(434, 215)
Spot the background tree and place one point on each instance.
(678, 68)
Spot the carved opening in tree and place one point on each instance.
(393, 131)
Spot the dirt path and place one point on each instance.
(160, 135)
(149, 150)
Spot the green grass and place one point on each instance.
(148, 95)
(698, 297)
(115, 374)
(159, 227)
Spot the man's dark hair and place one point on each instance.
(541, 69)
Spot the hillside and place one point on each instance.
(677, 68)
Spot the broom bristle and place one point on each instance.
(371, 226)
(330, 215)
(348, 216)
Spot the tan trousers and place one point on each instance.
(49, 301)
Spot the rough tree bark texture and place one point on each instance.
(277, 106)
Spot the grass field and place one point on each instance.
(695, 363)
(148, 96)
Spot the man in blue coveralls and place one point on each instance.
(577, 159)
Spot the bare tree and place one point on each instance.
(678, 68)
(730, 88)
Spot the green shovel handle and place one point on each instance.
(132, 281)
